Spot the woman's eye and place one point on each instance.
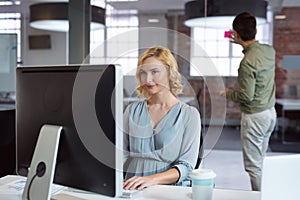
(155, 72)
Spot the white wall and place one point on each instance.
(157, 35)
(57, 54)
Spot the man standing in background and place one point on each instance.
(256, 95)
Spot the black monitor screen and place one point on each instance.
(85, 101)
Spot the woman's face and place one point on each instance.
(154, 76)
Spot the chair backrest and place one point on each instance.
(201, 149)
(200, 153)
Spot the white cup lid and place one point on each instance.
(202, 174)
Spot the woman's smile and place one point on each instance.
(150, 86)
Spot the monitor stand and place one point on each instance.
(41, 172)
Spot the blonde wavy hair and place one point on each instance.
(165, 56)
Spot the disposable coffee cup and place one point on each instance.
(202, 184)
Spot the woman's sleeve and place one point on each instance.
(190, 144)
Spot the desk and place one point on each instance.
(289, 104)
(159, 192)
(284, 108)
(7, 107)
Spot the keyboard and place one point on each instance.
(129, 193)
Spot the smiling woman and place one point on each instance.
(153, 75)
(161, 133)
(156, 59)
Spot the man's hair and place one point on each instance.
(245, 25)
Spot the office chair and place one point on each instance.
(200, 153)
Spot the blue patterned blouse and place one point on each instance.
(173, 143)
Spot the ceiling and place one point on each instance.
(162, 6)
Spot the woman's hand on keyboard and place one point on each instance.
(139, 182)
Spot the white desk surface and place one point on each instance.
(159, 192)
(289, 104)
(7, 107)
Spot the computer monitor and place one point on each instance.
(87, 101)
(8, 61)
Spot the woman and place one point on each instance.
(162, 134)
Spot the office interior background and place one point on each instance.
(131, 26)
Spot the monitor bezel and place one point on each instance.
(118, 106)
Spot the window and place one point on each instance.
(97, 38)
(122, 37)
(120, 40)
(212, 54)
(11, 23)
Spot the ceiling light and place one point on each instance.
(6, 3)
(54, 16)
(280, 17)
(220, 13)
(153, 20)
